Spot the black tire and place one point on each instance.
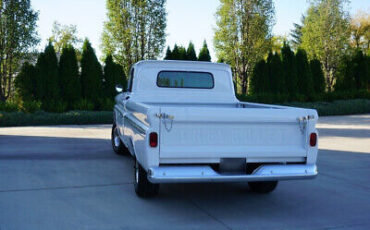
(117, 145)
(143, 187)
(262, 186)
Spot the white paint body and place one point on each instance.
(207, 125)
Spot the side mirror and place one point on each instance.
(119, 88)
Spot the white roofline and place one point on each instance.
(174, 63)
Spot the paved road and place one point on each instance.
(68, 178)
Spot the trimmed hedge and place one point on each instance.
(43, 118)
(338, 107)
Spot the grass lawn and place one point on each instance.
(339, 107)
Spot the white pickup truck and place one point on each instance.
(181, 122)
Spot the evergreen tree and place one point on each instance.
(276, 78)
(345, 79)
(289, 70)
(305, 85)
(259, 79)
(113, 75)
(168, 54)
(47, 87)
(26, 82)
(175, 53)
(190, 53)
(91, 74)
(69, 79)
(317, 76)
(182, 53)
(204, 53)
(360, 70)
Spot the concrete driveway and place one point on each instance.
(67, 177)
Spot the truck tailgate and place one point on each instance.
(251, 133)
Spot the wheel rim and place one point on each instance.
(137, 173)
(116, 139)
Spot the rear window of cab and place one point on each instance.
(184, 79)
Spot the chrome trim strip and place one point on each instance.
(189, 174)
(140, 127)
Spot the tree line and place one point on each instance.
(135, 30)
(69, 83)
(326, 34)
(189, 54)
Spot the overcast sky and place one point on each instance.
(187, 20)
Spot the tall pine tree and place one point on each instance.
(113, 75)
(204, 53)
(182, 53)
(276, 79)
(69, 79)
(317, 76)
(25, 82)
(305, 84)
(175, 53)
(91, 74)
(47, 89)
(190, 53)
(289, 70)
(259, 79)
(168, 54)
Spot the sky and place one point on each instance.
(187, 20)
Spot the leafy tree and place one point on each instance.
(325, 34)
(91, 74)
(17, 36)
(289, 70)
(360, 31)
(26, 82)
(113, 75)
(190, 53)
(168, 54)
(69, 79)
(277, 42)
(317, 76)
(305, 85)
(64, 35)
(242, 34)
(259, 80)
(204, 53)
(135, 30)
(47, 87)
(276, 78)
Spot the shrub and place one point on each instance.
(8, 106)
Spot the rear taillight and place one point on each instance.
(313, 139)
(153, 140)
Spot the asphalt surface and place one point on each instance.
(67, 177)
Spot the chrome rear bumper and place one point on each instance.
(187, 174)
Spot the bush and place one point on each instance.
(8, 106)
